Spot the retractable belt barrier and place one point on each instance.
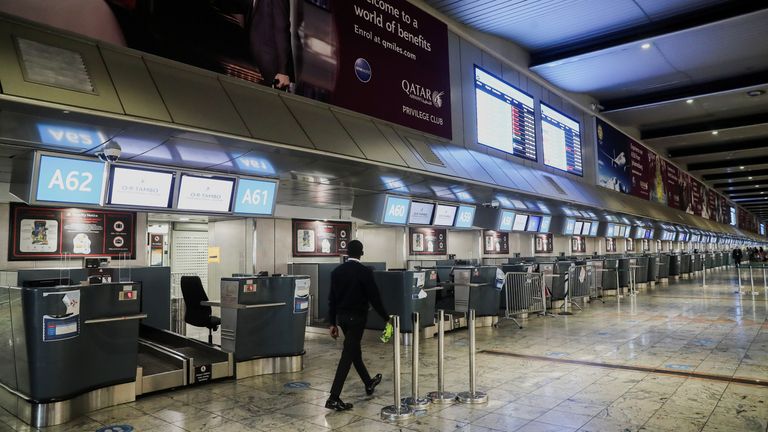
(397, 411)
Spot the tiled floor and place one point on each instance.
(678, 327)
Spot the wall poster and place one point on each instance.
(543, 243)
(495, 243)
(630, 245)
(39, 233)
(578, 244)
(646, 245)
(428, 241)
(610, 244)
(319, 238)
(384, 58)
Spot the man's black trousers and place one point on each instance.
(353, 327)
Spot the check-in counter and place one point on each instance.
(475, 288)
(68, 350)
(698, 262)
(610, 278)
(674, 265)
(623, 269)
(663, 266)
(653, 268)
(685, 264)
(405, 292)
(709, 260)
(263, 322)
(641, 269)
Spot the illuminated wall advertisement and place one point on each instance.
(578, 244)
(495, 243)
(38, 233)
(543, 243)
(610, 244)
(428, 241)
(387, 58)
(320, 238)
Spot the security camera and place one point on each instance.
(110, 152)
(493, 204)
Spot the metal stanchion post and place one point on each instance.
(752, 281)
(704, 278)
(414, 401)
(441, 396)
(398, 411)
(472, 396)
(739, 272)
(765, 283)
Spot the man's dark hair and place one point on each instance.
(355, 249)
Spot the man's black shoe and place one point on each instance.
(372, 385)
(337, 404)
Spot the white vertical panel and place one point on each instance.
(189, 256)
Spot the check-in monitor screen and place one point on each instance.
(140, 187)
(520, 222)
(561, 140)
(506, 219)
(578, 227)
(533, 224)
(593, 231)
(206, 194)
(421, 213)
(545, 222)
(445, 215)
(586, 228)
(569, 227)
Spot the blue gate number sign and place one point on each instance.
(67, 180)
(255, 197)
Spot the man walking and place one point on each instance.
(736, 255)
(352, 290)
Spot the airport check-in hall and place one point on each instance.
(383, 215)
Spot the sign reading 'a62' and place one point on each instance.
(68, 180)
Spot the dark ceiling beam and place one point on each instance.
(686, 92)
(757, 195)
(723, 147)
(733, 175)
(727, 163)
(740, 184)
(645, 31)
(706, 126)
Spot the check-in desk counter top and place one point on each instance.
(405, 292)
(475, 288)
(66, 343)
(263, 316)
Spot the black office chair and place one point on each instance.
(197, 314)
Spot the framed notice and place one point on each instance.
(578, 244)
(646, 245)
(320, 239)
(40, 233)
(428, 241)
(543, 243)
(495, 243)
(610, 244)
(630, 245)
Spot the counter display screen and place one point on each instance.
(396, 210)
(585, 230)
(445, 215)
(649, 233)
(561, 140)
(545, 221)
(593, 231)
(206, 194)
(255, 197)
(69, 180)
(505, 116)
(465, 217)
(140, 187)
(609, 230)
(569, 227)
(577, 227)
(534, 222)
(421, 213)
(640, 232)
(507, 218)
(520, 222)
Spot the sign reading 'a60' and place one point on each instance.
(68, 180)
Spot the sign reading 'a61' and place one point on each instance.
(256, 197)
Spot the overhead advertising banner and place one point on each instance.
(671, 182)
(495, 243)
(428, 241)
(38, 233)
(613, 158)
(318, 238)
(641, 170)
(384, 58)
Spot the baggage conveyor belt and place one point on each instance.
(168, 360)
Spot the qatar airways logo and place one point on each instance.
(422, 94)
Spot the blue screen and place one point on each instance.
(68, 180)
(506, 221)
(396, 210)
(465, 217)
(255, 197)
(64, 136)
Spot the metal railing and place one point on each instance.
(524, 293)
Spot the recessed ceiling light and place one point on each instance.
(184, 219)
(750, 178)
(715, 132)
(741, 167)
(755, 93)
(689, 101)
(645, 45)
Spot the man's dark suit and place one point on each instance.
(352, 289)
(269, 33)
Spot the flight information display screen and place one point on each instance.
(505, 116)
(561, 139)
